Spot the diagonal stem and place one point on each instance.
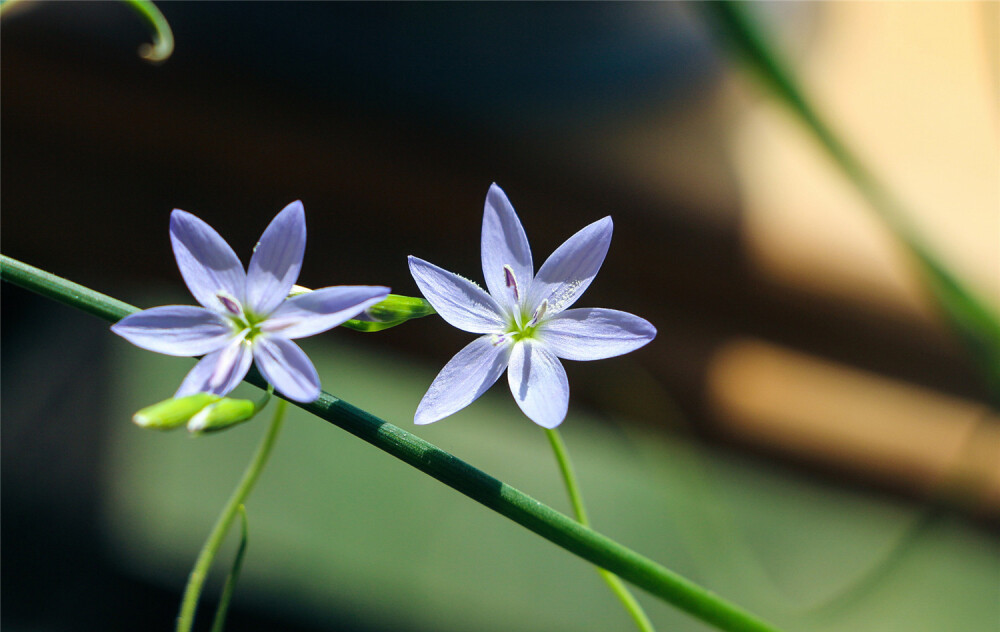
(973, 319)
(616, 585)
(196, 581)
(555, 527)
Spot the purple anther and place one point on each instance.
(229, 303)
(510, 280)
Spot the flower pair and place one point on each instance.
(524, 320)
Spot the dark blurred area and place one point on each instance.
(389, 122)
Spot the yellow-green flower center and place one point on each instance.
(526, 326)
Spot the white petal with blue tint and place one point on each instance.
(277, 260)
(206, 261)
(220, 371)
(504, 244)
(569, 270)
(468, 375)
(594, 334)
(538, 382)
(457, 300)
(315, 312)
(177, 330)
(285, 365)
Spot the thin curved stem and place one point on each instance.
(616, 585)
(163, 38)
(196, 581)
(219, 622)
(531, 514)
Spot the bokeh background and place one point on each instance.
(804, 436)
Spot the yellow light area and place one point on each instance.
(912, 87)
(913, 437)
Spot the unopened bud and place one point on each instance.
(393, 310)
(171, 413)
(222, 414)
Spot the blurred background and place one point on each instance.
(804, 436)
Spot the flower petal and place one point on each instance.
(206, 261)
(468, 375)
(504, 244)
(276, 260)
(594, 334)
(220, 371)
(286, 366)
(569, 270)
(459, 301)
(177, 330)
(315, 312)
(538, 382)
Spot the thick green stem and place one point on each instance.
(452, 471)
(618, 587)
(204, 562)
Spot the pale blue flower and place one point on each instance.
(524, 319)
(245, 316)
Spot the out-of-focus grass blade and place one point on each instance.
(973, 320)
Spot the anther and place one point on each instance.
(510, 279)
(231, 305)
(539, 313)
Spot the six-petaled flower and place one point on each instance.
(524, 319)
(245, 316)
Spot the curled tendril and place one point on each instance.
(163, 37)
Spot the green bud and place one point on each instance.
(391, 311)
(171, 413)
(222, 414)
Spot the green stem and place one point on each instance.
(163, 37)
(452, 471)
(973, 320)
(219, 622)
(576, 498)
(204, 562)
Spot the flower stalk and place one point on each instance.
(616, 585)
(196, 581)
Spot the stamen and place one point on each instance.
(539, 313)
(498, 339)
(510, 279)
(231, 304)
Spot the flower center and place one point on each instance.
(524, 327)
(241, 319)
